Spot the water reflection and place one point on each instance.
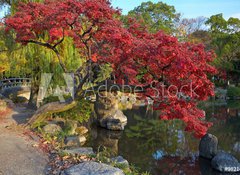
(156, 146)
(103, 139)
(226, 119)
(162, 147)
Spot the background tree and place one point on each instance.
(156, 16)
(186, 27)
(225, 36)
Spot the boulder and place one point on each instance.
(115, 122)
(80, 151)
(120, 161)
(225, 162)
(81, 130)
(108, 114)
(93, 168)
(208, 146)
(52, 129)
(82, 139)
(75, 140)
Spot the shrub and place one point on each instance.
(81, 112)
(233, 92)
(52, 98)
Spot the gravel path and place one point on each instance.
(18, 156)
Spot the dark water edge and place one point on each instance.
(162, 147)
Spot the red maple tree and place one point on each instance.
(172, 73)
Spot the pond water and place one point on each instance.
(162, 147)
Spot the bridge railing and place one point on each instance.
(14, 82)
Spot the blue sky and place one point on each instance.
(189, 8)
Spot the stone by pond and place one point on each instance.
(108, 114)
(92, 168)
(208, 146)
(120, 161)
(52, 129)
(81, 130)
(225, 162)
(75, 140)
(220, 160)
(79, 151)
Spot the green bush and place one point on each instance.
(51, 98)
(233, 92)
(81, 112)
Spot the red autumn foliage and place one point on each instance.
(158, 62)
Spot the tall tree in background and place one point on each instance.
(225, 36)
(156, 16)
(185, 27)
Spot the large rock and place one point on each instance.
(116, 122)
(75, 140)
(120, 161)
(208, 146)
(92, 168)
(108, 114)
(81, 130)
(80, 151)
(52, 129)
(225, 162)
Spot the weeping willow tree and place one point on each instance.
(31, 60)
(4, 65)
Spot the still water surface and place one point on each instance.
(162, 147)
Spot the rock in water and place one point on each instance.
(225, 162)
(208, 146)
(108, 114)
(117, 122)
(52, 129)
(92, 168)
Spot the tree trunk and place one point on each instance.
(35, 83)
(46, 110)
(32, 103)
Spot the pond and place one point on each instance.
(162, 147)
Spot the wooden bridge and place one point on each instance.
(13, 85)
